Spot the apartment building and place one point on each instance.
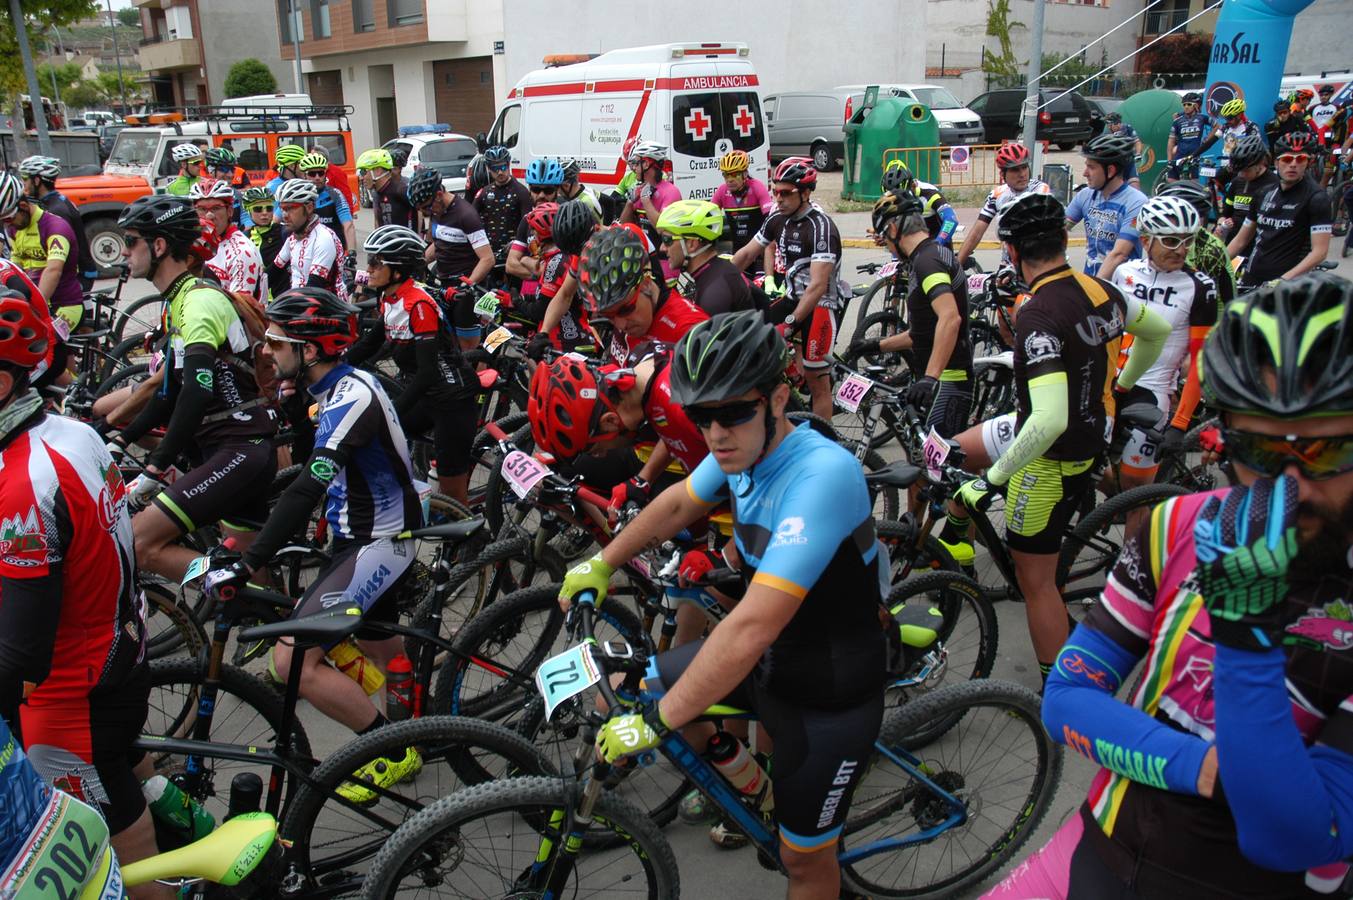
(187, 47)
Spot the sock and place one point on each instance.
(1044, 669)
(955, 528)
(379, 722)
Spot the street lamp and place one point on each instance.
(117, 54)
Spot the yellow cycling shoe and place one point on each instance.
(962, 552)
(383, 773)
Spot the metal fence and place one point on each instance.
(1109, 85)
(979, 171)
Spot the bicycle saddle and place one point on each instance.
(328, 627)
(1142, 416)
(226, 856)
(451, 531)
(898, 474)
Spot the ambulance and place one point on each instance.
(701, 100)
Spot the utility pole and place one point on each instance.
(297, 26)
(1031, 90)
(31, 76)
(117, 55)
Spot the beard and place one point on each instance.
(1324, 551)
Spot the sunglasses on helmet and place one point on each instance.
(1318, 458)
(728, 415)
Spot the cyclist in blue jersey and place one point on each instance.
(360, 464)
(1186, 134)
(803, 648)
(1108, 205)
(1114, 124)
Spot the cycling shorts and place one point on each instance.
(361, 574)
(818, 339)
(820, 755)
(452, 424)
(67, 854)
(83, 746)
(72, 314)
(231, 486)
(1140, 452)
(1041, 500)
(952, 405)
(998, 434)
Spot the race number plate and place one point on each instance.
(977, 282)
(566, 675)
(889, 268)
(523, 472)
(486, 306)
(196, 569)
(934, 451)
(1207, 171)
(496, 338)
(852, 392)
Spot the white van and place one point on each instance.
(958, 124)
(701, 100)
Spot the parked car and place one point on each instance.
(958, 124)
(107, 135)
(1066, 122)
(437, 147)
(808, 123)
(1103, 106)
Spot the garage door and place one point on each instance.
(464, 93)
(326, 88)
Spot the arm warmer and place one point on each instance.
(1047, 420)
(1149, 331)
(1193, 389)
(1079, 709)
(948, 223)
(1293, 805)
(154, 413)
(28, 621)
(294, 507)
(190, 405)
(368, 343)
(425, 352)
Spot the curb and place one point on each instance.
(868, 243)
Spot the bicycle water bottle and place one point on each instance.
(176, 810)
(399, 690)
(734, 763)
(348, 658)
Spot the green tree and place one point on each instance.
(130, 17)
(67, 76)
(249, 76)
(39, 15)
(1073, 72)
(1002, 66)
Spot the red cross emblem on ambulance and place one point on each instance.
(697, 123)
(744, 120)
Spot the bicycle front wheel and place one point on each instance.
(502, 839)
(997, 770)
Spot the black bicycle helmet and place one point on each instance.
(896, 176)
(315, 314)
(1193, 97)
(573, 225)
(396, 246)
(727, 356)
(612, 265)
(1032, 215)
(476, 176)
(498, 155)
(1282, 106)
(893, 205)
(423, 186)
(1248, 150)
(1111, 149)
(163, 216)
(1284, 350)
(1192, 191)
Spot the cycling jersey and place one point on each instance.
(663, 195)
(23, 797)
(935, 271)
(1230, 134)
(572, 334)
(241, 264)
(720, 287)
(48, 237)
(269, 243)
(182, 185)
(744, 213)
(314, 257)
(809, 235)
(1186, 299)
(1151, 610)
(501, 208)
(333, 211)
(1108, 219)
(1003, 195)
(586, 197)
(410, 317)
(1322, 113)
(669, 420)
(1285, 219)
(1240, 196)
(1188, 132)
(391, 203)
(457, 234)
(58, 204)
(803, 525)
(673, 316)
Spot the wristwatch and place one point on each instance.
(789, 320)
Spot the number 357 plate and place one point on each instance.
(566, 675)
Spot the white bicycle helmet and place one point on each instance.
(649, 150)
(183, 153)
(1161, 216)
(205, 189)
(11, 192)
(297, 190)
(44, 167)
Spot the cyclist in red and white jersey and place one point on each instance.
(237, 257)
(312, 252)
(72, 636)
(1013, 161)
(1226, 772)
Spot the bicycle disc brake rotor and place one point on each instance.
(931, 810)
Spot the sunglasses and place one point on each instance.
(502, 168)
(1318, 458)
(547, 191)
(210, 207)
(624, 310)
(729, 415)
(1172, 242)
(1288, 159)
(288, 207)
(273, 337)
(131, 240)
(784, 192)
(315, 173)
(666, 240)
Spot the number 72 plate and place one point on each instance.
(567, 675)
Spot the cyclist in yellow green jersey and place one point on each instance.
(190, 158)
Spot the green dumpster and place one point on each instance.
(890, 130)
(1151, 113)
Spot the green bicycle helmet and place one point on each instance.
(289, 155)
(897, 177)
(727, 356)
(314, 162)
(1284, 350)
(612, 265)
(375, 159)
(256, 196)
(692, 218)
(220, 158)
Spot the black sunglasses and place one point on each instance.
(729, 415)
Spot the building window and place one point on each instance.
(319, 18)
(405, 12)
(287, 20)
(363, 15)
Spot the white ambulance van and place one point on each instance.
(701, 100)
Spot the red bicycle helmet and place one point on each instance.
(1294, 142)
(541, 220)
(316, 315)
(1011, 156)
(207, 243)
(628, 147)
(566, 403)
(798, 171)
(24, 337)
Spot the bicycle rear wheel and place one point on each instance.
(969, 632)
(170, 629)
(998, 762)
(501, 840)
